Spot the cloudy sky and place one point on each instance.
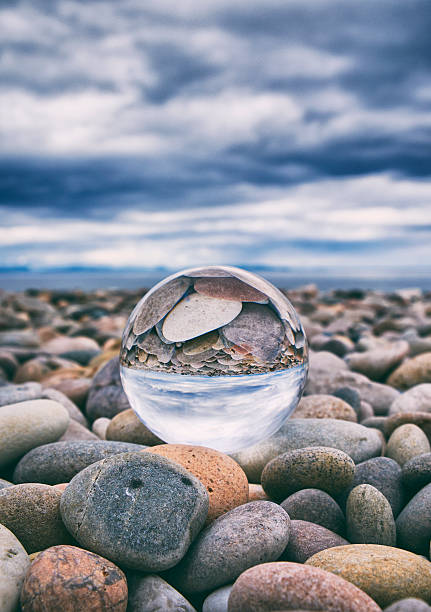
(173, 133)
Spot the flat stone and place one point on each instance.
(407, 441)
(158, 302)
(222, 477)
(369, 517)
(217, 601)
(201, 344)
(28, 424)
(69, 578)
(327, 468)
(324, 407)
(293, 586)
(416, 399)
(198, 314)
(378, 362)
(229, 289)
(251, 533)
(382, 473)
(257, 329)
(387, 574)
(14, 563)
(306, 539)
(414, 523)
(151, 343)
(12, 394)
(60, 461)
(127, 427)
(412, 372)
(153, 594)
(359, 442)
(315, 506)
(32, 512)
(141, 510)
(73, 410)
(416, 472)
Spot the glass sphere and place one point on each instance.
(214, 356)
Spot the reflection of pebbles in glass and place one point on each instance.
(213, 321)
(214, 356)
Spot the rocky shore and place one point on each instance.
(333, 512)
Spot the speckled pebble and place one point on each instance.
(369, 517)
(127, 427)
(14, 563)
(150, 593)
(324, 407)
(416, 472)
(407, 442)
(315, 506)
(414, 523)
(306, 539)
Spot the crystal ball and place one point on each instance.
(214, 356)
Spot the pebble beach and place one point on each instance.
(332, 512)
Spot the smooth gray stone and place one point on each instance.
(416, 399)
(315, 506)
(12, 394)
(360, 443)
(28, 424)
(71, 407)
(76, 431)
(21, 338)
(14, 563)
(369, 517)
(140, 510)
(416, 473)
(156, 304)
(151, 593)
(256, 532)
(414, 523)
(5, 483)
(217, 601)
(382, 473)
(106, 397)
(410, 604)
(307, 539)
(61, 461)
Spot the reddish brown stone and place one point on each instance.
(71, 579)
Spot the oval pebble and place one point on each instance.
(410, 604)
(324, 407)
(414, 523)
(387, 574)
(32, 512)
(14, 563)
(28, 424)
(326, 468)
(69, 578)
(217, 601)
(59, 462)
(421, 419)
(222, 477)
(412, 372)
(416, 399)
(406, 442)
(369, 517)
(315, 506)
(150, 593)
(416, 472)
(127, 427)
(293, 586)
(247, 535)
(140, 510)
(306, 539)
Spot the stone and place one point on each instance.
(12, 394)
(410, 604)
(32, 512)
(8, 363)
(151, 593)
(14, 563)
(66, 344)
(315, 506)
(387, 574)
(22, 338)
(151, 344)
(73, 410)
(225, 481)
(378, 362)
(203, 343)
(141, 510)
(100, 427)
(198, 314)
(217, 601)
(60, 461)
(5, 483)
(75, 387)
(382, 473)
(293, 586)
(375, 422)
(229, 289)
(421, 419)
(407, 441)
(76, 431)
(327, 468)
(365, 411)
(306, 539)
(360, 443)
(249, 534)
(258, 330)
(256, 493)
(349, 395)
(414, 523)
(127, 427)
(412, 372)
(106, 397)
(415, 399)
(369, 517)
(69, 578)
(157, 303)
(28, 424)
(324, 407)
(416, 472)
